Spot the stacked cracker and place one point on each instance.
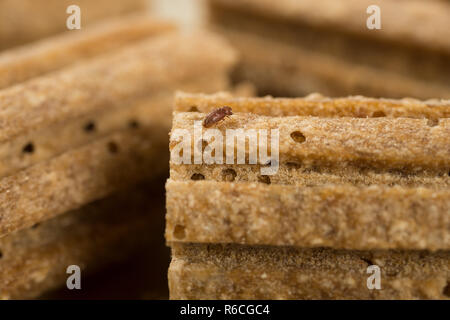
(292, 48)
(360, 182)
(85, 115)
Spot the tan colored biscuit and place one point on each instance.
(281, 54)
(339, 216)
(35, 260)
(50, 54)
(210, 271)
(316, 105)
(293, 70)
(79, 176)
(376, 142)
(23, 21)
(354, 48)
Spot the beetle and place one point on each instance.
(216, 115)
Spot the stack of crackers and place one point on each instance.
(362, 186)
(85, 115)
(293, 48)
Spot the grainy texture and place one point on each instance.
(376, 142)
(109, 81)
(49, 54)
(293, 70)
(79, 176)
(316, 105)
(52, 140)
(54, 135)
(23, 21)
(304, 174)
(338, 216)
(35, 260)
(241, 272)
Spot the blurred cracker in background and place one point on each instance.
(23, 21)
(293, 48)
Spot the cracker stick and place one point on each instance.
(338, 216)
(376, 142)
(399, 18)
(206, 271)
(35, 260)
(316, 105)
(79, 176)
(41, 57)
(22, 21)
(292, 70)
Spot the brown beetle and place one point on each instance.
(216, 115)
